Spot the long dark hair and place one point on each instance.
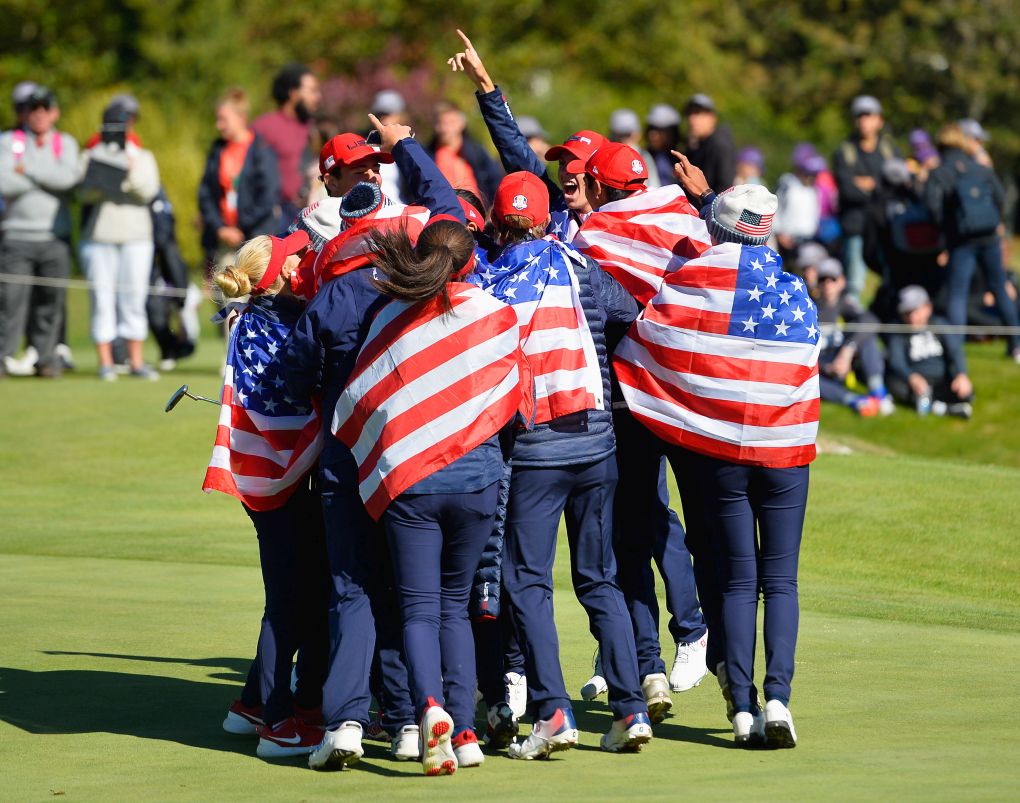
(423, 271)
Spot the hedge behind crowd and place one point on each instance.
(779, 71)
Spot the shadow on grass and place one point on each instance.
(147, 706)
(237, 668)
(595, 717)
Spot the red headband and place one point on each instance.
(282, 248)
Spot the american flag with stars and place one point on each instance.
(537, 279)
(265, 441)
(642, 237)
(724, 360)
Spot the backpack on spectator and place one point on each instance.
(18, 143)
(975, 210)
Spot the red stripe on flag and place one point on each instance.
(738, 412)
(563, 402)
(770, 457)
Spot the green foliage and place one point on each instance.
(780, 71)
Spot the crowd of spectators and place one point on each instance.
(926, 222)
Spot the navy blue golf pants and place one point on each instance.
(645, 527)
(497, 651)
(757, 516)
(436, 541)
(293, 558)
(362, 605)
(584, 494)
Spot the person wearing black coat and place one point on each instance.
(236, 206)
(966, 200)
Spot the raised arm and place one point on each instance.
(425, 183)
(511, 145)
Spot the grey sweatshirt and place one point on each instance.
(123, 217)
(35, 198)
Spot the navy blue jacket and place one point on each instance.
(258, 188)
(588, 435)
(320, 354)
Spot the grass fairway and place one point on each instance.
(131, 605)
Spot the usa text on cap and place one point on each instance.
(578, 146)
(348, 150)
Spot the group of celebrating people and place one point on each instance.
(416, 394)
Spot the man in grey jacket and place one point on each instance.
(38, 168)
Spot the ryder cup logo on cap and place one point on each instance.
(637, 167)
(520, 202)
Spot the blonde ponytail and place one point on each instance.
(237, 276)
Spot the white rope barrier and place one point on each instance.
(84, 284)
(873, 328)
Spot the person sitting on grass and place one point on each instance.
(926, 370)
(842, 353)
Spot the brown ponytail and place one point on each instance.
(517, 228)
(422, 272)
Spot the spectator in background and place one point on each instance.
(965, 200)
(842, 354)
(38, 168)
(709, 145)
(923, 155)
(460, 157)
(750, 166)
(537, 137)
(288, 130)
(238, 196)
(662, 133)
(927, 371)
(857, 165)
(976, 137)
(800, 209)
(117, 240)
(390, 107)
(809, 256)
(625, 127)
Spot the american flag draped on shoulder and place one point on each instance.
(536, 278)
(724, 360)
(428, 387)
(639, 238)
(265, 441)
(349, 249)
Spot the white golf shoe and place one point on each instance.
(656, 692)
(340, 748)
(689, 666)
(516, 686)
(749, 729)
(779, 730)
(404, 746)
(596, 684)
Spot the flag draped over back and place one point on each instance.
(428, 387)
(638, 238)
(536, 279)
(724, 360)
(349, 250)
(265, 441)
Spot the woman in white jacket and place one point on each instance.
(117, 246)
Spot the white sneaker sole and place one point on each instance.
(336, 760)
(637, 736)
(270, 749)
(239, 726)
(687, 685)
(437, 757)
(593, 688)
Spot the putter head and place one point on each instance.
(179, 394)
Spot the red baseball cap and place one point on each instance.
(348, 149)
(618, 165)
(472, 214)
(523, 194)
(580, 145)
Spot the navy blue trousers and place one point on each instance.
(757, 516)
(364, 619)
(436, 541)
(292, 553)
(644, 527)
(538, 497)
